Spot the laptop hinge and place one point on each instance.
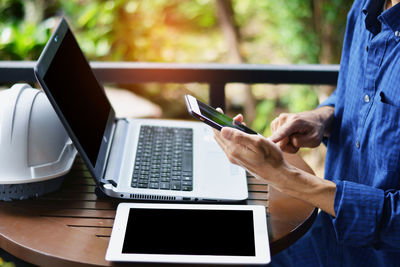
(114, 126)
(115, 144)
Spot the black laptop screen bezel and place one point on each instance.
(40, 70)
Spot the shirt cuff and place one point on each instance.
(358, 208)
(330, 101)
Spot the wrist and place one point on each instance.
(307, 187)
(325, 116)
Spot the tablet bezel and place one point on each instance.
(114, 251)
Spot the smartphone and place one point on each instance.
(212, 117)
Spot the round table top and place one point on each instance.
(72, 227)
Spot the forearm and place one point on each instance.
(307, 187)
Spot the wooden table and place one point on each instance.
(72, 227)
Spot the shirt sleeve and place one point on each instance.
(366, 216)
(330, 101)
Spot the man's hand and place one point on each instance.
(255, 153)
(264, 159)
(252, 152)
(305, 129)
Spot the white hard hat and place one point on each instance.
(34, 146)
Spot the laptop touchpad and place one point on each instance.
(218, 162)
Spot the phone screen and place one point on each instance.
(221, 118)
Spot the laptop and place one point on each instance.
(142, 159)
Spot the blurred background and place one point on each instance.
(191, 31)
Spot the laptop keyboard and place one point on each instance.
(164, 158)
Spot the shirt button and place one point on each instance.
(357, 144)
(366, 98)
(367, 48)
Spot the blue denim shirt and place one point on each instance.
(363, 150)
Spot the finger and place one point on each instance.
(267, 153)
(274, 125)
(238, 118)
(282, 119)
(279, 121)
(221, 143)
(220, 110)
(284, 131)
(287, 146)
(216, 132)
(290, 148)
(282, 143)
(224, 142)
(220, 140)
(240, 154)
(305, 140)
(236, 137)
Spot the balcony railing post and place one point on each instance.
(217, 95)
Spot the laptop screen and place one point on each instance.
(79, 95)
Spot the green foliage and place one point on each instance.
(291, 31)
(300, 98)
(167, 31)
(11, 10)
(285, 25)
(177, 30)
(264, 116)
(93, 24)
(296, 99)
(23, 40)
(120, 30)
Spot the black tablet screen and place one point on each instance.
(190, 232)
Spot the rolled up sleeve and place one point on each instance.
(366, 216)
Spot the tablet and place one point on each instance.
(189, 233)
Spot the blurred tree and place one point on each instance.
(291, 31)
(299, 31)
(92, 22)
(23, 32)
(231, 33)
(155, 31)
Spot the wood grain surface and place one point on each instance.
(72, 226)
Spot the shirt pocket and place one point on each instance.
(386, 135)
